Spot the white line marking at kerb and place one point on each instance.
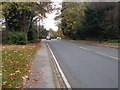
(107, 55)
(60, 70)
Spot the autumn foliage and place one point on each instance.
(17, 60)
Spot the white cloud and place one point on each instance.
(56, 0)
(49, 22)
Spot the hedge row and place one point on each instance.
(18, 38)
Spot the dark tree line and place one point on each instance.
(93, 20)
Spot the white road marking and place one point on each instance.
(100, 53)
(60, 70)
(84, 48)
(106, 55)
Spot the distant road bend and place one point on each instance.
(86, 66)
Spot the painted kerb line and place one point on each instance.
(60, 70)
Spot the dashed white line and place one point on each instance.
(84, 48)
(99, 53)
(106, 55)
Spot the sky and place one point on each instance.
(49, 22)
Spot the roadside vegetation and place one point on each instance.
(16, 63)
(20, 39)
(22, 19)
(96, 21)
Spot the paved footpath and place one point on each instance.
(42, 76)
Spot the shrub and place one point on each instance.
(37, 41)
(18, 38)
(113, 41)
(31, 35)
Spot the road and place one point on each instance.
(86, 66)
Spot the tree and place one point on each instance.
(22, 16)
(72, 16)
(91, 20)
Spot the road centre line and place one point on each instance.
(106, 55)
(99, 53)
(84, 48)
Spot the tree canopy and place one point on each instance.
(24, 16)
(93, 20)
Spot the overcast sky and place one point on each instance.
(49, 22)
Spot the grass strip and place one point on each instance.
(16, 61)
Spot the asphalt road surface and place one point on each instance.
(86, 66)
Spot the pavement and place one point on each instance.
(41, 75)
(86, 66)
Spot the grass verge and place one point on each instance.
(16, 62)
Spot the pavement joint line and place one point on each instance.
(60, 70)
(107, 55)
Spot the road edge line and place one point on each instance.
(60, 70)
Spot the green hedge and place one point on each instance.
(113, 41)
(18, 38)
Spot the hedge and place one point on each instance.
(18, 38)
